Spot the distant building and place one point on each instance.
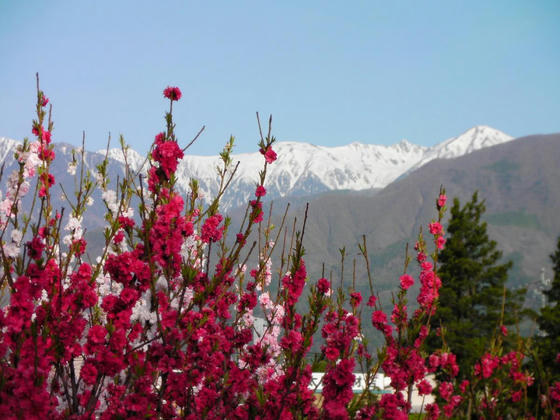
(380, 383)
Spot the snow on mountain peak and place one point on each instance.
(6, 147)
(304, 168)
(133, 158)
(475, 138)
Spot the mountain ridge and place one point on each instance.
(517, 180)
(306, 169)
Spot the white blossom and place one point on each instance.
(141, 310)
(110, 197)
(11, 250)
(74, 223)
(248, 319)
(16, 236)
(129, 213)
(98, 177)
(72, 168)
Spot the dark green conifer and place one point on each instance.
(549, 321)
(473, 286)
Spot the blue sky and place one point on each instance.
(329, 72)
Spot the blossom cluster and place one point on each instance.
(168, 322)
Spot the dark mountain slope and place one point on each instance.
(519, 180)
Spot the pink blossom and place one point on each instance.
(211, 232)
(172, 92)
(406, 281)
(240, 239)
(260, 192)
(434, 361)
(355, 299)
(441, 201)
(399, 315)
(426, 266)
(257, 214)
(265, 300)
(269, 155)
(424, 387)
(88, 373)
(463, 386)
(436, 228)
(46, 136)
(323, 285)
(378, 318)
(486, 365)
(516, 396)
(167, 154)
(504, 330)
(446, 390)
(432, 410)
(292, 341)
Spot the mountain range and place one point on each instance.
(304, 169)
(383, 192)
(518, 180)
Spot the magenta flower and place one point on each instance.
(446, 390)
(269, 154)
(172, 92)
(261, 191)
(355, 298)
(378, 318)
(424, 387)
(240, 238)
(323, 285)
(88, 373)
(436, 228)
(406, 281)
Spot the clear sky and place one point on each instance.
(330, 72)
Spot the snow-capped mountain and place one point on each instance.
(476, 138)
(304, 169)
(7, 147)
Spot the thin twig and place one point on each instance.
(194, 139)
